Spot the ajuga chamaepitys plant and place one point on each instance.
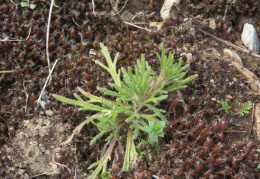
(136, 94)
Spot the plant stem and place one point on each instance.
(102, 163)
(130, 154)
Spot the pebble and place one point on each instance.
(158, 25)
(189, 57)
(250, 38)
(212, 24)
(166, 8)
(49, 113)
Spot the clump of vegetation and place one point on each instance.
(134, 109)
(224, 105)
(26, 3)
(244, 110)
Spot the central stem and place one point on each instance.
(131, 154)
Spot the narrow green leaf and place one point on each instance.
(97, 137)
(102, 65)
(131, 118)
(136, 130)
(150, 117)
(78, 97)
(8, 71)
(92, 98)
(92, 107)
(69, 101)
(157, 112)
(108, 92)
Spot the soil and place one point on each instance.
(34, 150)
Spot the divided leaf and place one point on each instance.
(136, 93)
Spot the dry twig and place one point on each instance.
(93, 6)
(7, 39)
(252, 120)
(257, 119)
(252, 79)
(59, 164)
(47, 35)
(114, 4)
(123, 6)
(228, 43)
(76, 131)
(128, 23)
(46, 82)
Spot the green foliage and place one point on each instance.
(26, 3)
(246, 108)
(142, 153)
(154, 130)
(106, 175)
(9, 71)
(225, 105)
(134, 109)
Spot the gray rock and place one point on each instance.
(49, 113)
(250, 38)
(166, 8)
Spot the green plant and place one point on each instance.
(225, 106)
(154, 130)
(136, 94)
(9, 71)
(246, 108)
(142, 153)
(26, 3)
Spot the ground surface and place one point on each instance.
(31, 136)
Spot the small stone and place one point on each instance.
(213, 99)
(233, 55)
(49, 113)
(228, 96)
(212, 24)
(192, 31)
(166, 8)
(250, 38)
(158, 25)
(43, 149)
(21, 171)
(189, 57)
